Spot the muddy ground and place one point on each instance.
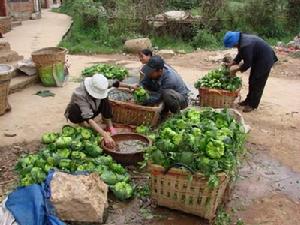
(267, 190)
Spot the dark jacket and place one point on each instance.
(170, 79)
(255, 53)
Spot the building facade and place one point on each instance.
(19, 9)
(50, 3)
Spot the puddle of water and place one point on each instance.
(261, 176)
(173, 217)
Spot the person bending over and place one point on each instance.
(88, 101)
(257, 55)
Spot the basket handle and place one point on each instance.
(211, 90)
(178, 165)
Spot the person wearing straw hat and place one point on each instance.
(88, 101)
(255, 54)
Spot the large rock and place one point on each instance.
(7, 55)
(166, 53)
(176, 15)
(27, 66)
(81, 198)
(136, 45)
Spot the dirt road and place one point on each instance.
(273, 142)
(36, 34)
(267, 191)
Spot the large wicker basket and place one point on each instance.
(217, 98)
(177, 189)
(50, 63)
(5, 77)
(133, 114)
(49, 56)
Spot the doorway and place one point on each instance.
(3, 11)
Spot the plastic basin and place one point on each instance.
(124, 158)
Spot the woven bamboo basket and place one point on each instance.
(49, 56)
(177, 189)
(217, 98)
(133, 114)
(50, 63)
(6, 72)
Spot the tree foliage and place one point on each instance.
(211, 7)
(293, 11)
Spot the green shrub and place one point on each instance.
(183, 4)
(205, 40)
(293, 15)
(102, 26)
(167, 42)
(264, 17)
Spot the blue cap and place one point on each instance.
(231, 39)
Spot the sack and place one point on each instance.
(6, 218)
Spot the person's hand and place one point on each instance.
(135, 86)
(112, 130)
(229, 64)
(234, 70)
(109, 142)
(116, 84)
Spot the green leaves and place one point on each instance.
(157, 157)
(219, 79)
(207, 141)
(49, 138)
(63, 142)
(109, 71)
(142, 129)
(215, 149)
(140, 95)
(72, 150)
(123, 191)
(109, 177)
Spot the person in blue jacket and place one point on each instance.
(255, 54)
(164, 85)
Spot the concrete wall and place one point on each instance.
(21, 9)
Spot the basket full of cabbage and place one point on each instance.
(193, 158)
(218, 89)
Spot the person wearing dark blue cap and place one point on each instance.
(165, 85)
(257, 55)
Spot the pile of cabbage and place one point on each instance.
(74, 150)
(206, 141)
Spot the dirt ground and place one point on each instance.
(267, 190)
(36, 34)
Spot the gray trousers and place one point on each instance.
(173, 101)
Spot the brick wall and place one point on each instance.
(20, 9)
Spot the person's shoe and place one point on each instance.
(242, 103)
(248, 109)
